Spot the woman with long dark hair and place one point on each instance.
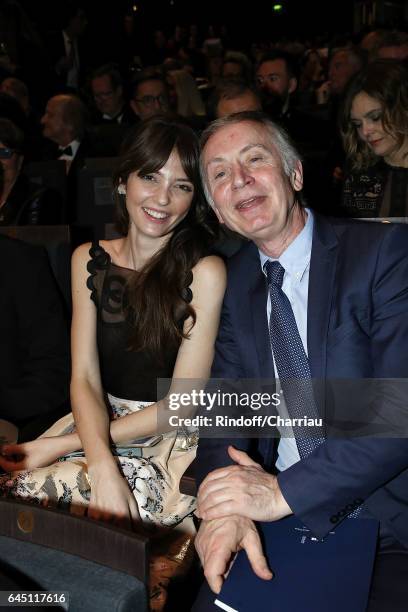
(145, 306)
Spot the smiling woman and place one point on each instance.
(145, 306)
(375, 133)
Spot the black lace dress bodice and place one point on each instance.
(379, 191)
(125, 373)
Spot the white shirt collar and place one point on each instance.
(74, 146)
(296, 257)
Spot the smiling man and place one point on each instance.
(307, 298)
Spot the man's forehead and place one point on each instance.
(246, 101)
(53, 106)
(152, 86)
(340, 57)
(101, 81)
(272, 66)
(236, 138)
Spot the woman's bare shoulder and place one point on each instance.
(210, 266)
(82, 254)
(209, 276)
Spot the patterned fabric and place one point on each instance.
(378, 191)
(153, 473)
(292, 364)
(153, 478)
(291, 360)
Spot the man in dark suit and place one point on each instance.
(64, 127)
(346, 285)
(107, 91)
(34, 351)
(63, 124)
(64, 47)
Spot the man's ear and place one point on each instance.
(296, 177)
(293, 83)
(134, 106)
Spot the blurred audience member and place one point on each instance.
(22, 53)
(375, 133)
(344, 64)
(236, 65)
(11, 109)
(19, 91)
(311, 78)
(233, 96)
(34, 351)
(276, 78)
(370, 41)
(156, 49)
(129, 44)
(393, 45)
(64, 45)
(186, 96)
(22, 202)
(107, 93)
(150, 96)
(64, 126)
(64, 123)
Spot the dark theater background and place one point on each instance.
(244, 20)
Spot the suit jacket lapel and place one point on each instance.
(321, 284)
(257, 298)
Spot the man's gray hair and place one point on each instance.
(279, 138)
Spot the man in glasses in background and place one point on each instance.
(150, 96)
(107, 92)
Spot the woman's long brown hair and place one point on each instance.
(158, 295)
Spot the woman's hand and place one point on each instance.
(111, 498)
(30, 455)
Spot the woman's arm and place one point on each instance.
(88, 406)
(110, 494)
(193, 361)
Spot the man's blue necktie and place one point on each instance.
(291, 362)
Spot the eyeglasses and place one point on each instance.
(103, 94)
(6, 153)
(150, 100)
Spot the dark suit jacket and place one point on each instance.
(31, 204)
(129, 117)
(34, 352)
(56, 52)
(89, 146)
(357, 328)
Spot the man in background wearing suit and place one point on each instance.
(107, 91)
(34, 350)
(64, 47)
(346, 286)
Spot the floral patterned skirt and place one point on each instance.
(153, 475)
